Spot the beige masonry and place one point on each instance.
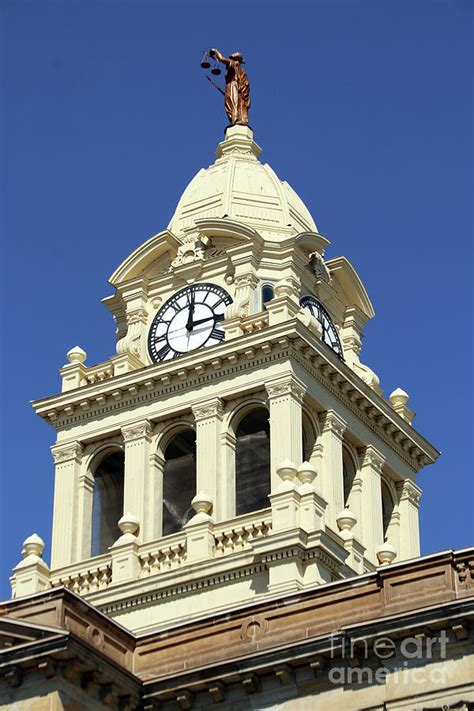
(236, 226)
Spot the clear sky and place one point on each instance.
(364, 107)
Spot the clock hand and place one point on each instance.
(215, 318)
(189, 323)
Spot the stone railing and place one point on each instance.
(167, 554)
(238, 533)
(85, 577)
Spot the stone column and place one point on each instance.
(67, 459)
(371, 464)
(285, 397)
(226, 498)
(208, 416)
(138, 490)
(409, 496)
(85, 499)
(332, 479)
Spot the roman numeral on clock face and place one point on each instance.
(217, 334)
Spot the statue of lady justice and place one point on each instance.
(237, 87)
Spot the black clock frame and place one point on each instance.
(334, 345)
(216, 332)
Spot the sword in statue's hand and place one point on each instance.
(216, 85)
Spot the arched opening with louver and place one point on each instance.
(179, 481)
(252, 462)
(107, 501)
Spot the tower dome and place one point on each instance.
(238, 186)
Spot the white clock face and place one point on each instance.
(189, 320)
(329, 333)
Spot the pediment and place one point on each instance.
(345, 275)
(141, 260)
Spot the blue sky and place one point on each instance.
(364, 107)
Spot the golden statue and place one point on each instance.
(237, 87)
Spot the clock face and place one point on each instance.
(189, 320)
(329, 334)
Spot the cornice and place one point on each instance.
(290, 340)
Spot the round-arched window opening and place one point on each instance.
(252, 462)
(348, 473)
(387, 508)
(107, 502)
(267, 295)
(179, 481)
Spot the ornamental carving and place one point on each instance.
(371, 457)
(68, 452)
(285, 387)
(332, 422)
(213, 408)
(136, 316)
(409, 491)
(192, 249)
(137, 431)
(244, 288)
(318, 267)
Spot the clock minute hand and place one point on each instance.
(189, 323)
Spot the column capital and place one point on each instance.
(286, 386)
(67, 452)
(332, 422)
(409, 491)
(137, 430)
(208, 409)
(371, 457)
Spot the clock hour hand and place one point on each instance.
(215, 318)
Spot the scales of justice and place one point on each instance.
(237, 86)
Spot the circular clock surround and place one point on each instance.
(189, 320)
(329, 334)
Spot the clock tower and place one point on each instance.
(234, 446)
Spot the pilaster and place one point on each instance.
(409, 496)
(371, 464)
(332, 433)
(285, 398)
(67, 459)
(138, 480)
(208, 416)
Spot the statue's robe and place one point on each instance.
(237, 93)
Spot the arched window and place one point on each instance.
(267, 295)
(252, 462)
(107, 502)
(388, 505)
(179, 481)
(348, 473)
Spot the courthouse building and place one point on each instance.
(236, 509)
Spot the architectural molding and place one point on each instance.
(210, 408)
(67, 452)
(408, 490)
(371, 457)
(137, 430)
(332, 422)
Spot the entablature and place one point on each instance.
(286, 344)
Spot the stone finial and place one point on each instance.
(129, 526)
(202, 504)
(398, 400)
(307, 473)
(346, 520)
(76, 355)
(33, 546)
(386, 553)
(399, 397)
(286, 470)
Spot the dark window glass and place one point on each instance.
(179, 481)
(267, 294)
(107, 502)
(252, 465)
